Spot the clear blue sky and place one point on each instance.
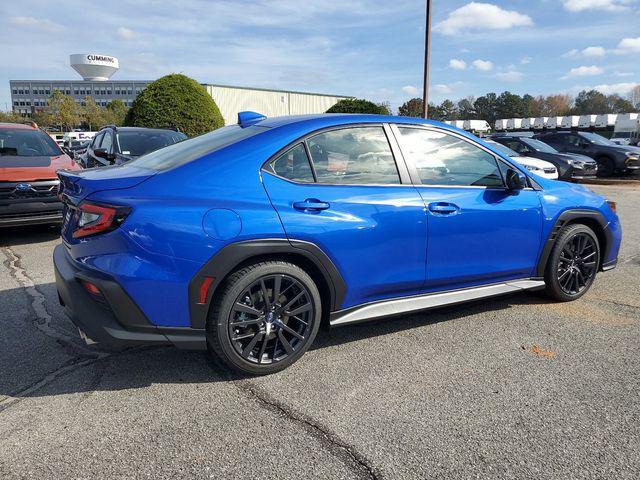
(370, 49)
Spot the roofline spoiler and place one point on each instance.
(246, 119)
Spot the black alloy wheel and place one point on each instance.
(270, 319)
(573, 263)
(578, 264)
(265, 317)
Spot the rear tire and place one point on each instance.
(573, 263)
(265, 318)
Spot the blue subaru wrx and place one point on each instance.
(245, 239)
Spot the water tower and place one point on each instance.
(94, 67)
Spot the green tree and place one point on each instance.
(509, 105)
(617, 104)
(175, 101)
(591, 102)
(528, 103)
(115, 112)
(358, 105)
(62, 110)
(466, 109)
(11, 117)
(485, 107)
(411, 108)
(449, 110)
(92, 114)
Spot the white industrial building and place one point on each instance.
(30, 96)
(271, 103)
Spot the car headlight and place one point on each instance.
(577, 163)
(533, 168)
(632, 156)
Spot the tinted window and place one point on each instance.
(107, 142)
(595, 138)
(96, 140)
(137, 143)
(194, 148)
(359, 155)
(293, 165)
(443, 159)
(22, 142)
(539, 146)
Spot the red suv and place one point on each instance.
(29, 159)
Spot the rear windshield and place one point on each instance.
(19, 142)
(194, 148)
(138, 143)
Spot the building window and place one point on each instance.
(16, 103)
(15, 91)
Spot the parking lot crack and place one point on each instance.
(69, 367)
(337, 446)
(43, 318)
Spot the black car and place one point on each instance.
(116, 145)
(571, 166)
(611, 157)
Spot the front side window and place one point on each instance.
(353, 156)
(444, 159)
(293, 165)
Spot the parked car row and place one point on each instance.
(30, 158)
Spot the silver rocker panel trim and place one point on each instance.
(397, 306)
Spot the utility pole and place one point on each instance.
(425, 85)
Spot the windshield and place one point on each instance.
(597, 139)
(185, 152)
(538, 146)
(19, 142)
(502, 149)
(137, 143)
(622, 135)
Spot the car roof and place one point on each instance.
(329, 119)
(142, 129)
(21, 126)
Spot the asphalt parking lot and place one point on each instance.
(513, 387)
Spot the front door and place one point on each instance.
(478, 231)
(350, 201)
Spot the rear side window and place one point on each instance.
(444, 159)
(194, 148)
(353, 156)
(293, 165)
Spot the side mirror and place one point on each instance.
(68, 151)
(516, 180)
(102, 153)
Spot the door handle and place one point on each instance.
(311, 205)
(443, 208)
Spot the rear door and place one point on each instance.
(343, 190)
(478, 231)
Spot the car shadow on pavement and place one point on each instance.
(27, 235)
(94, 369)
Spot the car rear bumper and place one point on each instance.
(112, 318)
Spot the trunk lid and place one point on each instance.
(77, 185)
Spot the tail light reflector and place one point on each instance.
(95, 218)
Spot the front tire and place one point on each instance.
(265, 318)
(606, 167)
(573, 263)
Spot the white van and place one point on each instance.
(540, 123)
(606, 121)
(514, 124)
(569, 122)
(501, 125)
(527, 123)
(625, 131)
(554, 122)
(587, 121)
(71, 136)
(477, 126)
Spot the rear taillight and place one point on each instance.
(95, 218)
